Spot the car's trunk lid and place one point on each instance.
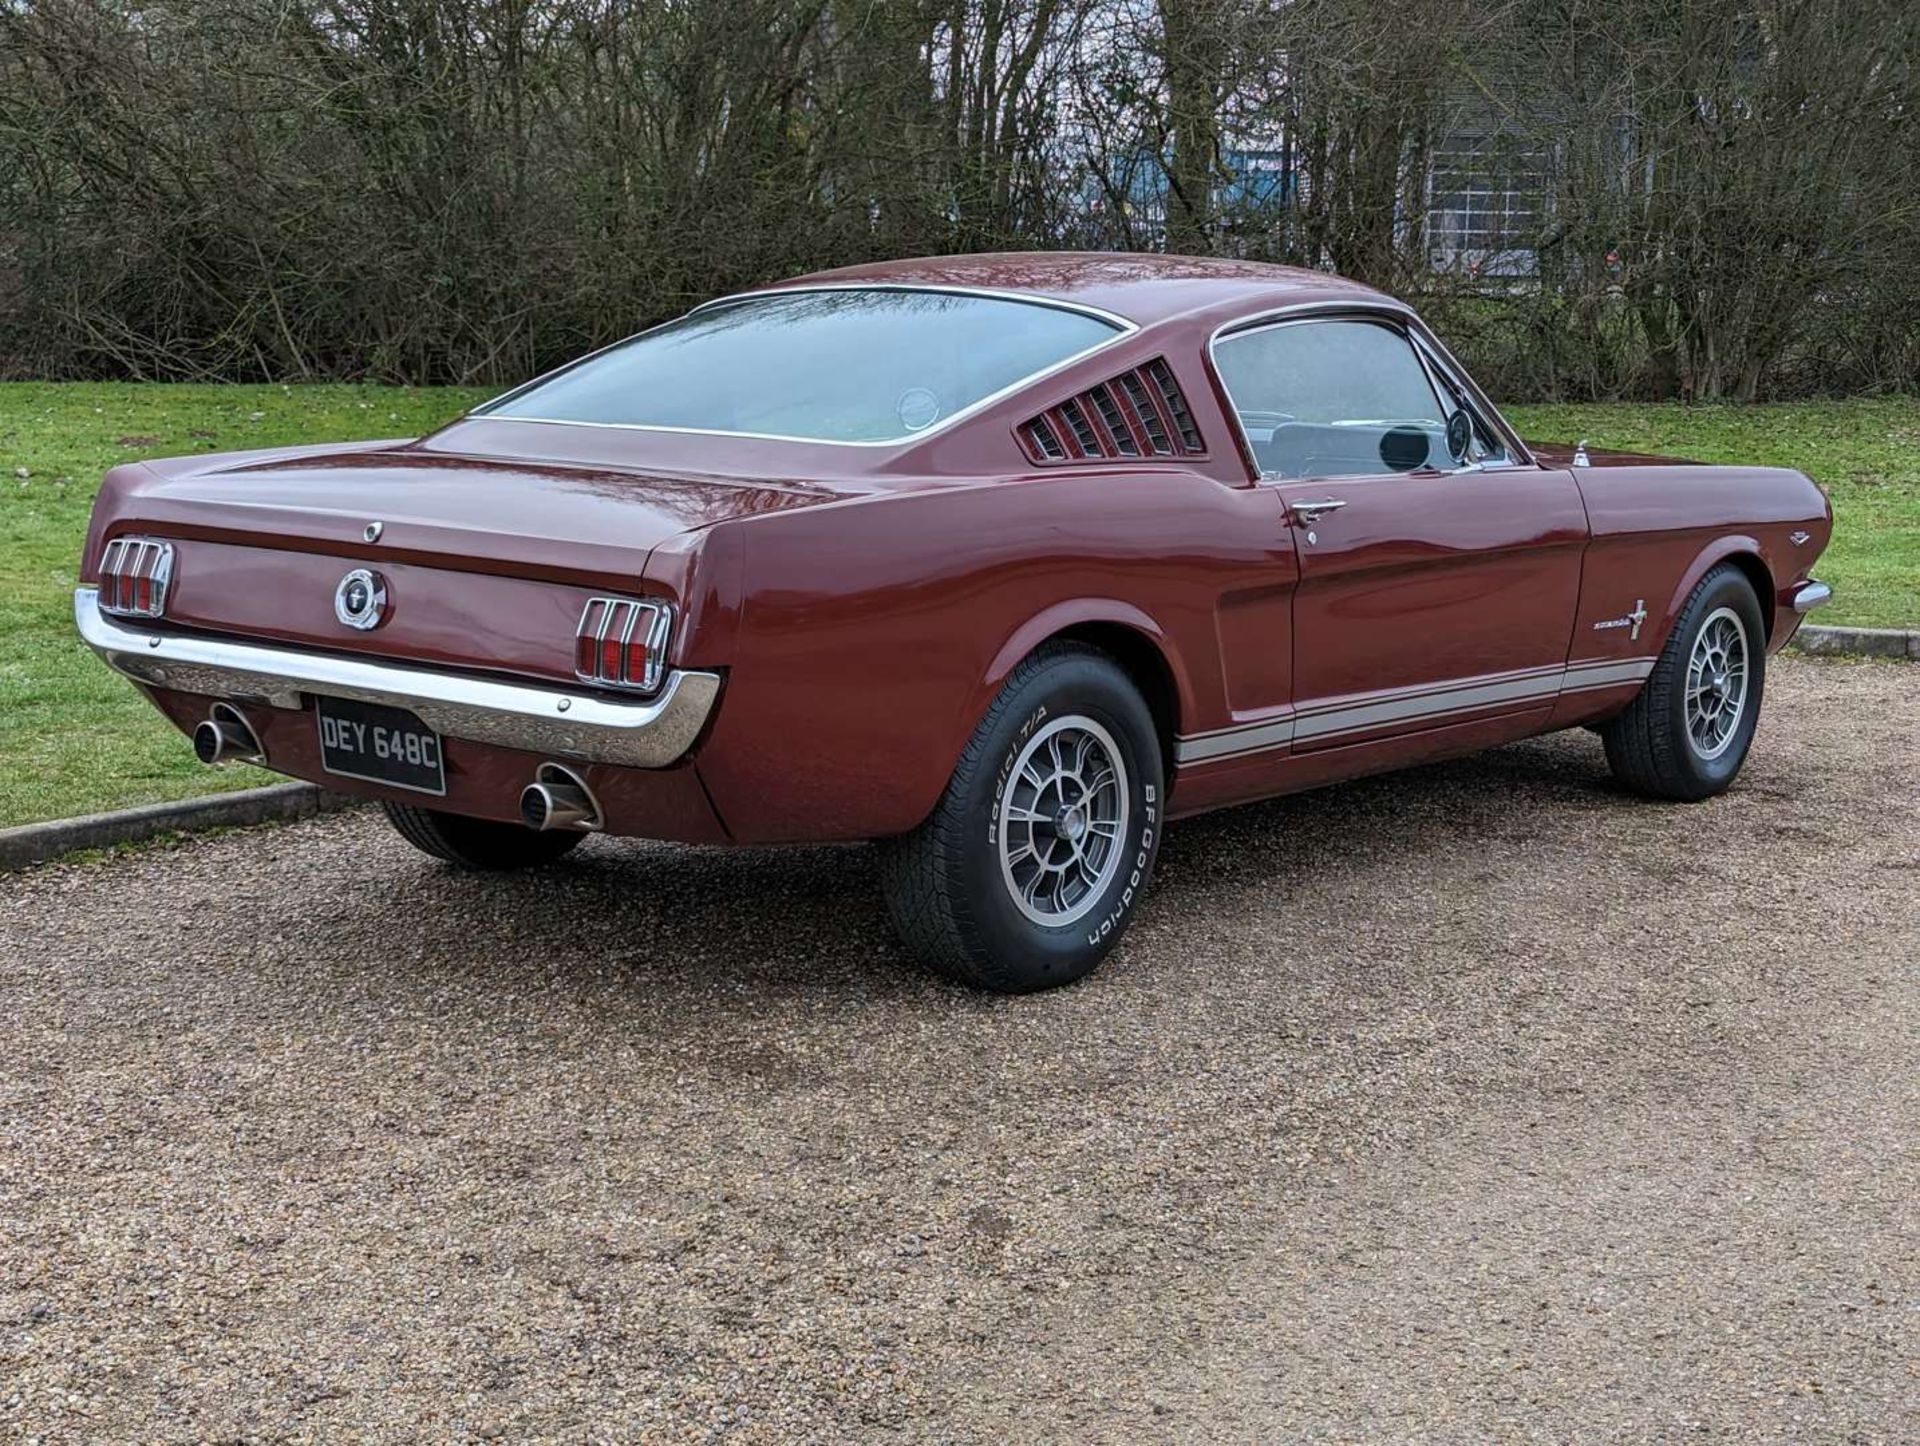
(517, 517)
(488, 562)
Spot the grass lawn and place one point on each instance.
(76, 739)
(1865, 453)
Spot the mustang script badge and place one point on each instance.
(1631, 620)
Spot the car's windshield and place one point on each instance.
(860, 365)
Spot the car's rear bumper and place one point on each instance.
(569, 724)
(1811, 594)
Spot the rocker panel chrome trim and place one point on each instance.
(1428, 703)
(570, 724)
(1231, 743)
(1334, 717)
(1583, 676)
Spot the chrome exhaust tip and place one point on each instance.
(224, 737)
(558, 799)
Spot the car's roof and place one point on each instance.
(1144, 287)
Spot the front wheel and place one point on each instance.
(1030, 867)
(1687, 733)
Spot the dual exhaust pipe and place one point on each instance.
(557, 799)
(225, 736)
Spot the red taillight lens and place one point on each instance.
(135, 573)
(586, 641)
(622, 643)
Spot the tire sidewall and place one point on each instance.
(1728, 589)
(1041, 955)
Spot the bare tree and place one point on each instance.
(1715, 198)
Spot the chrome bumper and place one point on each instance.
(1811, 594)
(590, 726)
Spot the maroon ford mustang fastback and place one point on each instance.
(1003, 561)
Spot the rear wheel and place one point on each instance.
(1031, 866)
(477, 843)
(1687, 733)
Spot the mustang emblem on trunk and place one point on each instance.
(360, 601)
(1631, 620)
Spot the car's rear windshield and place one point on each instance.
(866, 365)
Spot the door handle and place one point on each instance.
(1313, 511)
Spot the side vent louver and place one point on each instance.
(1140, 413)
(1082, 430)
(1042, 444)
(1176, 404)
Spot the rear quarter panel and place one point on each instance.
(873, 634)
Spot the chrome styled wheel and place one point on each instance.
(1689, 730)
(1064, 809)
(1028, 871)
(1716, 685)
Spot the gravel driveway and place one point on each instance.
(1476, 1101)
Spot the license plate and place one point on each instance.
(380, 745)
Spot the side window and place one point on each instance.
(1484, 444)
(1334, 399)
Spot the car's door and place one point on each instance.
(1434, 589)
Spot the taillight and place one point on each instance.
(134, 576)
(622, 643)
